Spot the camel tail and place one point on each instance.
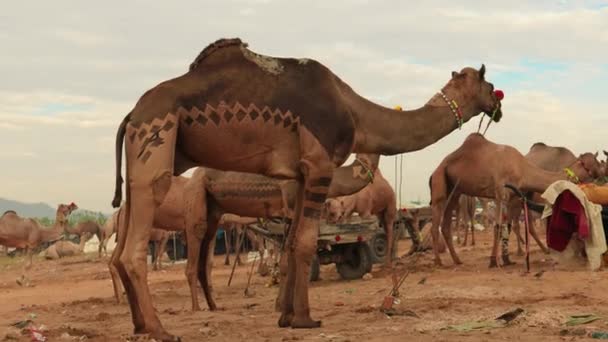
(431, 189)
(120, 135)
(538, 207)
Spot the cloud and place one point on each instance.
(71, 72)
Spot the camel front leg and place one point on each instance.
(240, 240)
(227, 242)
(534, 234)
(206, 266)
(316, 186)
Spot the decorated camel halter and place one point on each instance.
(454, 107)
(571, 175)
(499, 95)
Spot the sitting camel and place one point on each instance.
(209, 194)
(27, 233)
(87, 229)
(377, 198)
(64, 248)
(549, 158)
(482, 168)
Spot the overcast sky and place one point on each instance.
(70, 71)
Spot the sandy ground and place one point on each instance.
(72, 299)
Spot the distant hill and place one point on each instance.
(27, 209)
(43, 210)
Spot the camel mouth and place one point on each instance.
(495, 114)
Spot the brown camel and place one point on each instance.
(217, 192)
(235, 225)
(159, 237)
(252, 195)
(87, 229)
(64, 248)
(465, 217)
(236, 110)
(549, 158)
(482, 168)
(27, 233)
(377, 198)
(108, 229)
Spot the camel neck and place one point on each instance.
(538, 180)
(388, 132)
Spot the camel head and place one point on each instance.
(471, 87)
(334, 210)
(64, 210)
(591, 166)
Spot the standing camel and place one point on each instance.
(234, 225)
(27, 233)
(236, 110)
(482, 168)
(108, 229)
(209, 194)
(377, 198)
(549, 158)
(86, 230)
(465, 217)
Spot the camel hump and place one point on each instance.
(9, 212)
(213, 47)
(475, 136)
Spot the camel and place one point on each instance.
(465, 217)
(209, 194)
(108, 229)
(87, 229)
(27, 233)
(377, 198)
(236, 110)
(482, 168)
(63, 248)
(549, 158)
(234, 224)
(159, 237)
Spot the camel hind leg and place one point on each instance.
(206, 261)
(228, 242)
(150, 153)
(446, 230)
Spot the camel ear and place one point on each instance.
(596, 153)
(482, 72)
(455, 74)
(605, 153)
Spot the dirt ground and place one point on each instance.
(72, 300)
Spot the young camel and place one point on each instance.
(235, 226)
(209, 194)
(27, 233)
(236, 110)
(377, 198)
(63, 248)
(482, 168)
(549, 158)
(108, 229)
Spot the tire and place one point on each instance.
(315, 269)
(378, 246)
(357, 261)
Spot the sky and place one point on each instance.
(71, 70)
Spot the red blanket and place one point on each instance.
(568, 217)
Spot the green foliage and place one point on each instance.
(76, 217)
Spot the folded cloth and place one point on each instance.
(595, 243)
(568, 217)
(597, 194)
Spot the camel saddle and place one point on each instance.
(597, 194)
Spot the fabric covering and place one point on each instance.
(568, 218)
(595, 243)
(596, 193)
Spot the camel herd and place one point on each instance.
(262, 149)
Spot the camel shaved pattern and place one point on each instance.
(224, 113)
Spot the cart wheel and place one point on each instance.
(356, 261)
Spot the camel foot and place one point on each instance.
(506, 261)
(457, 261)
(305, 323)
(520, 252)
(438, 262)
(545, 250)
(493, 263)
(197, 308)
(285, 320)
(227, 262)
